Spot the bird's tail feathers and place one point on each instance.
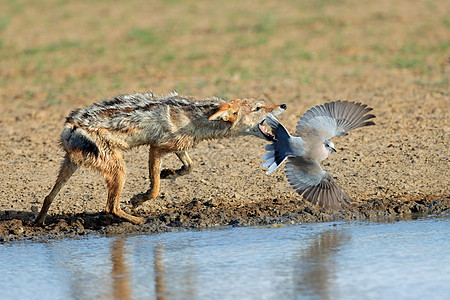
(280, 147)
(272, 161)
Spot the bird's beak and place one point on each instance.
(332, 148)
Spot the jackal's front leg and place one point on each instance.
(154, 169)
(186, 168)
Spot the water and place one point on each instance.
(344, 260)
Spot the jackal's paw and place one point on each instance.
(127, 217)
(138, 199)
(134, 220)
(168, 173)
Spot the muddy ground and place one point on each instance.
(394, 58)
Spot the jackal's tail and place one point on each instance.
(75, 138)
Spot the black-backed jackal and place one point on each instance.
(95, 136)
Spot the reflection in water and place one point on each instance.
(120, 274)
(306, 262)
(160, 276)
(316, 267)
(175, 272)
(314, 271)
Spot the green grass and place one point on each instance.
(52, 47)
(60, 49)
(53, 97)
(414, 56)
(4, 22)
(304, 76)
(145, 36)
(407, 63)
(446, 22)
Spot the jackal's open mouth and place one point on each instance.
(265, 132)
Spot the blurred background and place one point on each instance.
(54, 51)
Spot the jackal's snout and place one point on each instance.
(275, 109)
(259, 129)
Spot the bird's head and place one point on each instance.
(329, 146)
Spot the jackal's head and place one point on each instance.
(247, 116)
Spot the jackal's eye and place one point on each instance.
(256, 108)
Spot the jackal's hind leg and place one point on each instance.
(154, 169)
(186, 168)
(114, 173)
(66, 171)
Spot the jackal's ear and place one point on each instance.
(227, 112)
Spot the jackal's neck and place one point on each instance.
(211, 130)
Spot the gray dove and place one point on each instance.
(312, 145)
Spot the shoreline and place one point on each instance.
(196, 215)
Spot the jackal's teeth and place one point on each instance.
(265, 132)
(264, 129)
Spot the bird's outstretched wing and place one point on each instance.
(316, 185)
(334, 119)
(280, 147)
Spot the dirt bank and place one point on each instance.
(212, 213)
